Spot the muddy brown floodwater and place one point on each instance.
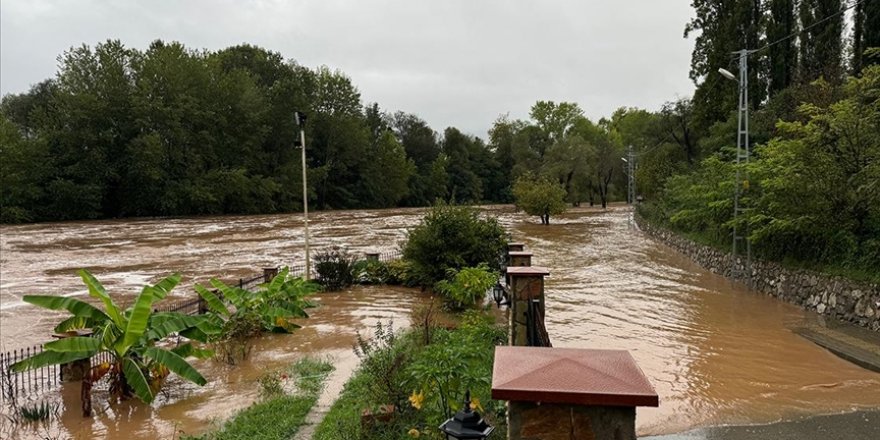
(715, 352)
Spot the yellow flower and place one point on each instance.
(417, 399)
(414, 433)
(475, 405)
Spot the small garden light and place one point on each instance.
(499, 295)
(466, 424)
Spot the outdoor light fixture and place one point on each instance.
(300, 118)
(499, 295)
(466, 424)
(726, 73)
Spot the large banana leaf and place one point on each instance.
(279, 280)
(136, 380)
(96, 290)
(137, 321)
(74, 344)
(76, 323)
(50, 358)
(74, 306)
(164, 324)
(214, 303)
(232, 294)
(187, 350)
(176, 364)
(162, 288)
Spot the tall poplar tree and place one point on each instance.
(821, 45)
(782, 55)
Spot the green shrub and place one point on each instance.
(370, 272)
(400, 273)
(383, 358)
(453, 237)
(467, 286)
(336, 269)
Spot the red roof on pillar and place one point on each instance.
(570, 376)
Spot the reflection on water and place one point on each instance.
(715, 352)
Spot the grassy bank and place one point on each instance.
(287, 397)
(423, 373)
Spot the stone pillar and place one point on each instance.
(516, 247)
(269, 273)
(75, 371)
(372, 256)
(519, 258)
(564, 393)
(526, 285)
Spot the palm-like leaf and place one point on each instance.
(162, 288)
(176, 364)
(138, 319)
(187, 350)
(50, 358)
(75, 323)
(214, 303)
(74, 306)
(74, 344)
(96, 290)
(232, 294)
(136, 380)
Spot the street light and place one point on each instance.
(466, 424)
(726, 73)
(300, 118)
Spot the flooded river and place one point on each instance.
(715, 352)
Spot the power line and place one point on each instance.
(794, 34)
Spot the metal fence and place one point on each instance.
(37, 380)
(14, 385)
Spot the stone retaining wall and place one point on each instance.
(848, 300)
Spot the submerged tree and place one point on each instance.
(539, 196)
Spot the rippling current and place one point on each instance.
(715, 352)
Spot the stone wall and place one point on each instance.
(837, 297)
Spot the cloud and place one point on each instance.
(453, 62)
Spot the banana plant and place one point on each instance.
(129, 335)
(277, 302)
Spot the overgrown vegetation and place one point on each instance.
(813, 192)
(468, 286)
(336, 268)
(450, 238)
(426, 383)
(281, 412)
(138, 367)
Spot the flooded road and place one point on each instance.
(715, 352)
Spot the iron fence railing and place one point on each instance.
(14, 385)
(38, 380)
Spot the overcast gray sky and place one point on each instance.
(453, 62)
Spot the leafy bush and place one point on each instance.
(336, 269)
(453, 237)
(276, 303)
(435, 376)
(400, 273)
(383, 358)
(467, 286)
(370, 272)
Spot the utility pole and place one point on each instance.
(631, 176)
(741, 184)
(301, 122)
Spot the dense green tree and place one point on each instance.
(462, 152)
(539, 196)
(782, 56)
(555, 119)
(821, 43)
(871, 30)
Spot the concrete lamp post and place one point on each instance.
(300, 118)
(466, 424)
